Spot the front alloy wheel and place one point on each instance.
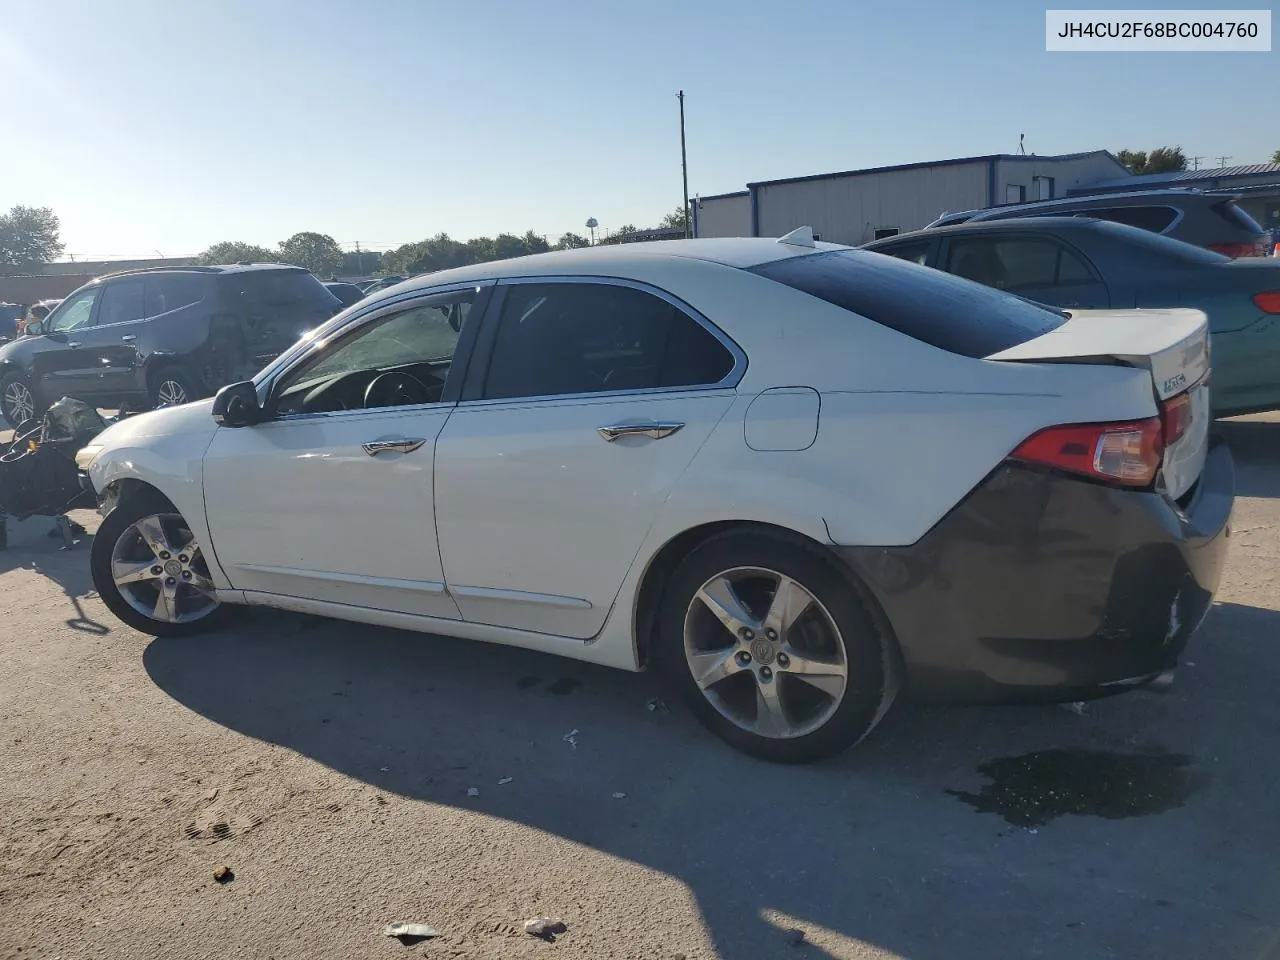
(18, 402)
(170, 391)
(150, 570)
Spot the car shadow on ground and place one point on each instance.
(33, 544)
(1255, 446)
(872, 846)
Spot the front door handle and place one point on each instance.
(407, 445)
(129, 337)
(73, 343)
(651, 429)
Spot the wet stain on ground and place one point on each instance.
(1032, 789)
(524, 683)
(564, 686)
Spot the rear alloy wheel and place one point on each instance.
(772, 650)
(151, 572)
(17, 402)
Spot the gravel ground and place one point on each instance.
(328, 766)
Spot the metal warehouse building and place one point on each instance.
(856, 206)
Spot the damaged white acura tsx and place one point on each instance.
(793, 477)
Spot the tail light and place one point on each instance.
(1256, 249)
(1268, 302)
(1125, 453)
(1175, 416)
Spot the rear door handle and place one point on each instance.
(407, 445)
(129, 337)
(652, 429)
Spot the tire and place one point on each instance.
(12, 387)
(171, 381)
(118, 545)
(830, 628)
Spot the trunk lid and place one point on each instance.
(1172, 345)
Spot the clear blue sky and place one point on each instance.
(170, 125)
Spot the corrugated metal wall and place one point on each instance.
(724, 216)
(1066, 174)
(850, 209)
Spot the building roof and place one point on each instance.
(1189, 177)
(1015, 157)
(722, 196)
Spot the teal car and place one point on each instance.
(1083, 263)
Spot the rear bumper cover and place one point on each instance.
(1040, 586)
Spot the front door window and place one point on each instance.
(74, 312)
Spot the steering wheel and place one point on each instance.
(395, 389)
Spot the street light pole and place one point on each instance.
(684, 165)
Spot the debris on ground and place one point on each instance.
(657, 705)
(571, 738)
(545, 928)
(505, 780)
(211, 795)
(619, 795)
(795, 936)
(410, 933)
(223, 874)
(473, 791)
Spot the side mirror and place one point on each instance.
(34, 328)
(236, 405)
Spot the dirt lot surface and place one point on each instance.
(328, 766)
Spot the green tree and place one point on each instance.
(233, 251)
(571, 241)
(622, 234)
(1159, 160)
(1166, 160)
(677, 219)
(1275, 157)
(28, 238)
(317, 252)
(535, 242)
(360, 264)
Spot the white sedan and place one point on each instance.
(792, 476)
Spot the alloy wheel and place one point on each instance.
(19, 404)
(160, 571)
(170, 393)
(765, 652)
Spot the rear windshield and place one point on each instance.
(931, 306)
(1161, 245)
(280, 288)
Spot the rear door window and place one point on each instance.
(917, 251)
(121, 302)
(925, 304)
(558, 339)
(1015, 263)
(169, 292)
(272, 292)
(1155, 219)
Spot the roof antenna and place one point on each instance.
(799, 237)
(1022, 151)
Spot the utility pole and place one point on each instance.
(1222, 161)
(684, 167)
(1195, 162)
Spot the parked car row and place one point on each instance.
(159, 336)
(1210, 220)
(791, 476)
(1085, 264)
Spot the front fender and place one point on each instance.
(165, 450)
